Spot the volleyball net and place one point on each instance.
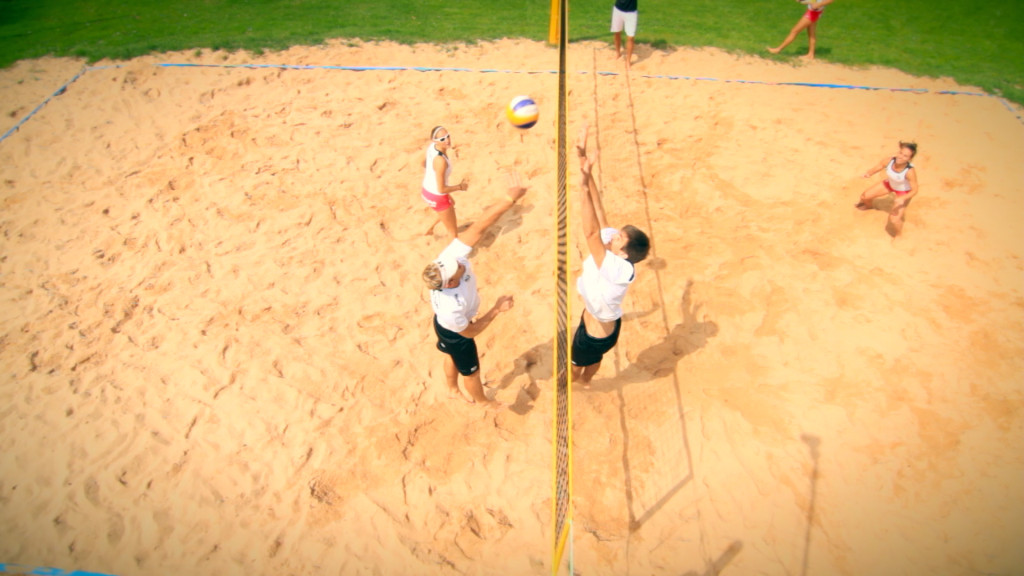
(562, 501)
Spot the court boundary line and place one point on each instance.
(26, 570)
(344, 68)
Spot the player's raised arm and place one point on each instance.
(591, 209)
(876, 168)
(476, 231)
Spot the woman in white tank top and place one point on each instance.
(900, 179)
(435, 189)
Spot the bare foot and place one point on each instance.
(456, 394)
(774, 50)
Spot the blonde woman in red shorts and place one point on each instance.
(435, 189)
(809, 22)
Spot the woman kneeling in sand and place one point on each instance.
(900, 179)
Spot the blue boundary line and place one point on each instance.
(21, 569)
(354, 68)
(823, 85)
(64, 88)
(59, 91)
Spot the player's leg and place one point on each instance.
(812, 39)
(587, 374)
(475, 387)
(584, 374)
(630, 27)
(451, 377)
(803, 23)
(448, 218)
(587, 353)
(616, 30)
(867, 197)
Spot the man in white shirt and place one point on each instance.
(607, 273)
(455, 301)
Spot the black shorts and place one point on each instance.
(461, 349)
(587, 350)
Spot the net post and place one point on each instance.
(553, 22)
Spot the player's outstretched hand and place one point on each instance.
(581, 141)
(516, 190)
(586, 163)
(504, 303)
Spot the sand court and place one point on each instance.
(217, 356)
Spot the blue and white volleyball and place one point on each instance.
(522, 112)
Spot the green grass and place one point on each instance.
(977, 44)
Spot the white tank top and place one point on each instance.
(898, 180)
(429, 177)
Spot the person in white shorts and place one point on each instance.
(456, 302)
(607, 273)
(624, 18)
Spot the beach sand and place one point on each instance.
(217, 358)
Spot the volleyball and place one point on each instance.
(522, 112)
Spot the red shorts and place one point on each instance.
(813, 15)
(439, 202)
(896, 192)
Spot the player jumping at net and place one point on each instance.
(607, 273)
(455, 301)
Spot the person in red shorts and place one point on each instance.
(809, 22)
(436, 191)
(900, 180)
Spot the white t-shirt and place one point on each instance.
(429, 176)
(603, 289)
(456, 307)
